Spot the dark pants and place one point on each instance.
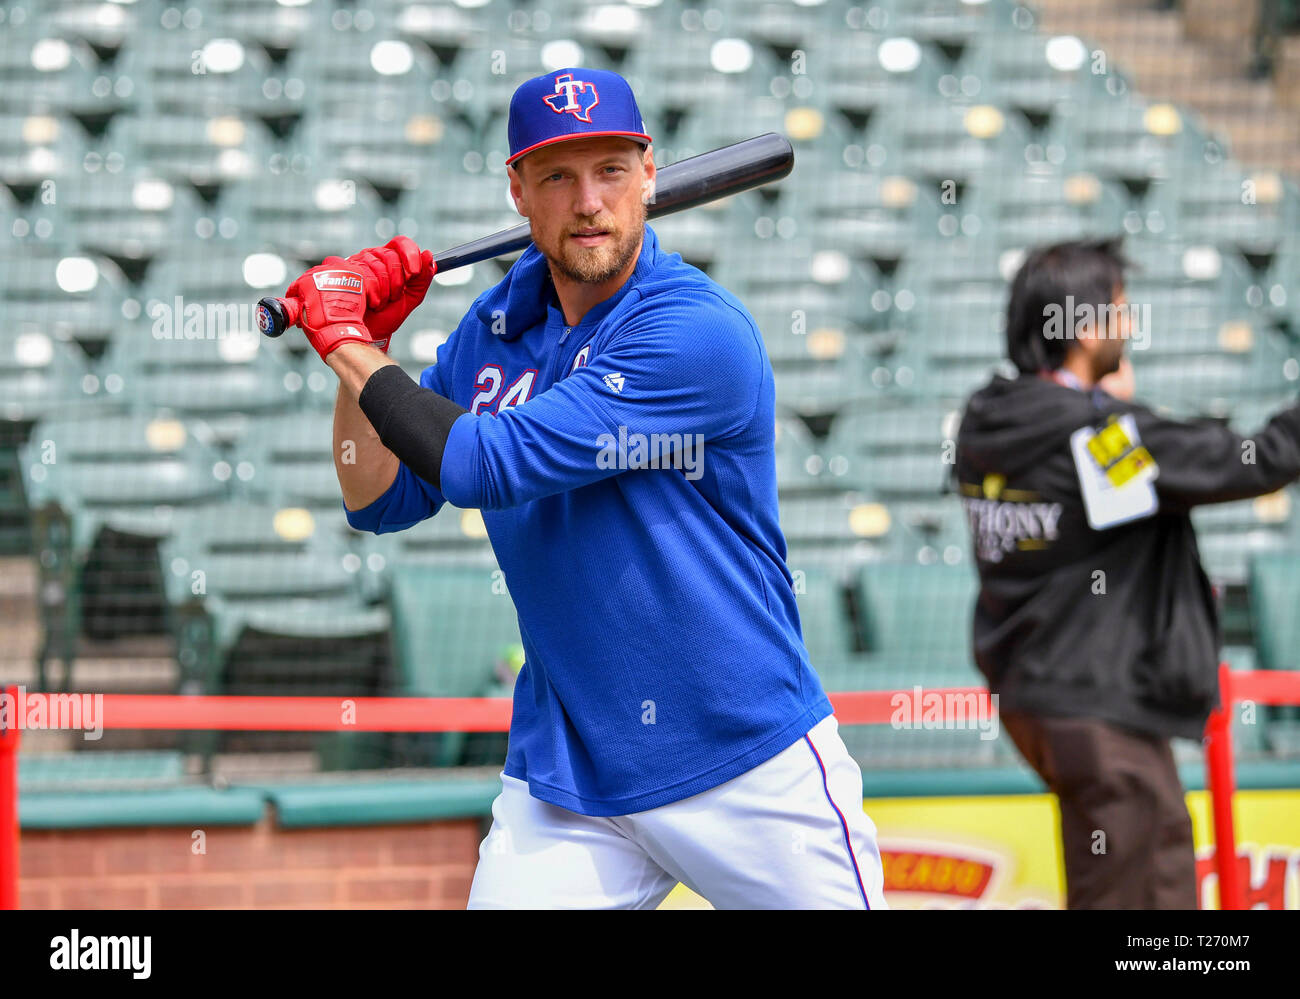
(1125, 830)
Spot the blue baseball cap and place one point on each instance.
(572, 103)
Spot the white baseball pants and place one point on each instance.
(788, 834)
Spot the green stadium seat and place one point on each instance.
(799, 468)
(1274, 597)
(835, 530)
(950, 21)
(39, 149)
(102, 491)
(46, 74)
(452, 537)
(230, 379)
(679, 77)
(278, 28)
(69, 295)
(1229, 535)
(901, 452)
(350, 74)
(865, 214)
(919, 616)
(307, 217)
(802, 275)
(223, 275)
(941, 142)
(40, 376)
(1029, 71)
(1023, 209)
(207, 150)
(124, 470)
(1229, 206)
(1130, 139)
(130, 218)
(451, 627)
(100, 770)
(702, 235)
(289, 461)
(196, 72)
(422, 144)
(827, 627)
(862, 73)
(264, 601)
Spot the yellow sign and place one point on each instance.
(1003, 852)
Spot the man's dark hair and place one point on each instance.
(1089, 271)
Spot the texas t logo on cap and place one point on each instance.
(566, 97)
(572, 103)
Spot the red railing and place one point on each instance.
(488, 714)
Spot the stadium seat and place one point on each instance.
(863, 73)
(46, 74)
(230, 379)
(1131, 140)
(38, 151)
(1252, 211)
(278, 28)
(207, 150)
(827, 627)
(696, 71)
(351, 74)
(453, 537)
(947, 142)
(799, 468)
(949, 21)
(224, 283)
(901, 452)
(262, 601)
(1029, 71)
(103, 490)
(195, 72)
(866, 214)
(918, 611)
(451, 627)
(1274, 597)
(1024, 209)
(70, 296)
(770, 275)
(835, 530)
(307, 217)
(40, 377)
(418, 144)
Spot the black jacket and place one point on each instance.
(1117, 623)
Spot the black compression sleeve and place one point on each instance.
(413, 422)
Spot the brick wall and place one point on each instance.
(424, 865)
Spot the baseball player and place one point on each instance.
(609, 409)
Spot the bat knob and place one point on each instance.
(274, 316)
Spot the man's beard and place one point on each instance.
(595, 266)
(1107, 360)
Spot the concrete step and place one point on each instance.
(1110, 26)
(258, 766)
(1207, 94)
(139, 675)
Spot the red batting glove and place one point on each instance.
(397, 277)
(333, 306)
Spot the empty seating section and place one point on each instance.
(163, 167)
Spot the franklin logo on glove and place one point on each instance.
(338, 281)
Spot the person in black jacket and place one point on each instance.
(1095, 623)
